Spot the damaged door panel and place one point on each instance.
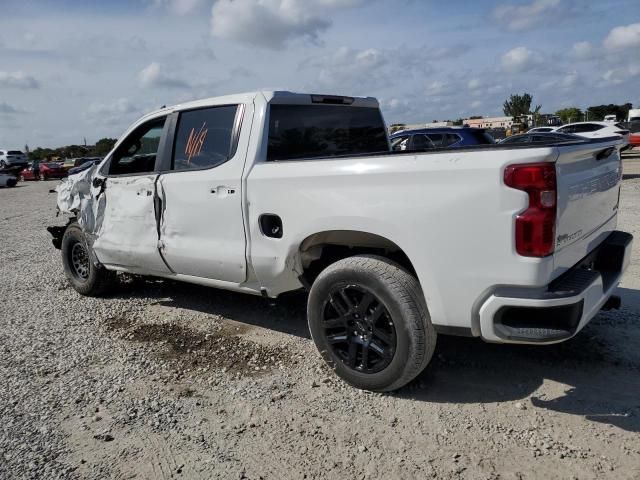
(201, 226)
(129, 235)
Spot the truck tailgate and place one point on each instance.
(588, 182)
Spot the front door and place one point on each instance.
(128, 235)
(202, 228)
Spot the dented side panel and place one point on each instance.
(128, 235)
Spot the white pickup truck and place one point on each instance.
(270, 192)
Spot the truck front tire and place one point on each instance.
(369, 320)
(85, 276)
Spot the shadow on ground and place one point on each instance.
(600, 367)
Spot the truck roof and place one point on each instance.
(273, 96)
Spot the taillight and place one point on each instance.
(536, 226)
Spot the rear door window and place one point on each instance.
(450, 139)
(204, 138)
(421, 142)
(436, 138)
(587, 127)
(312, 131)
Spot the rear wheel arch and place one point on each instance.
(319, 250)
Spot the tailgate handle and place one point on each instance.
(606, 153)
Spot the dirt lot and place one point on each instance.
(164, 380)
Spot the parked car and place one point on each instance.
(541, 130)
(596, 130)
(540, 137)
(439, 137)
(27, 173)
(12, 158)
(282, 191)
(84, 164)
(7, 180)
(52, 170)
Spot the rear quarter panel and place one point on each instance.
(449, 211)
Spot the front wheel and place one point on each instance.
(85, 276)
(369, 320)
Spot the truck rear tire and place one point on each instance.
(85, 277)
(369, 320)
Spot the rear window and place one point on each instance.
(14, 152)
(482, 137)
(312, 131)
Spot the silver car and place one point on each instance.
(12, 158)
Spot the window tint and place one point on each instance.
(400, 143)
(308, 131)
(204, 137)
(421, 142)
(449, 139)
(567, 129)
(587, 127)
(14, 152)
(436, 138)
(137, 153)
(482, 137)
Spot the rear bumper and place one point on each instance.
(560, 310)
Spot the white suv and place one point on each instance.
(596, 130)
(12, 158)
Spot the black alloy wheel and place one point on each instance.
(359, 329)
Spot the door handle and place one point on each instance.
(223, 191)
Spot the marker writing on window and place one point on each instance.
(195, 142)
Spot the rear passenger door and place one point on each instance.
(201, 222)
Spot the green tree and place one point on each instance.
(104, 146)
(570, 114)
(519, 106)
(598, 112)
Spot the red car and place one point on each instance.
(47, 170)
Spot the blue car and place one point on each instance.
(440, 137)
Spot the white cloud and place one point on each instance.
(524, 17)
(120, 106)
(438, 88)
(17, 80)
(345, 66)
(6, 109)
(153, 75)
(474, 84)
(520, 59)
(119, 112)
(180, 7)
(583, 50)
(623, 37)
(273, 23)
(620, 75)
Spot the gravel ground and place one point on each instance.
(165, 380)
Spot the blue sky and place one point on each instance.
(71, 69)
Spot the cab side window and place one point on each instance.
(137, 153)
(204, 138)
